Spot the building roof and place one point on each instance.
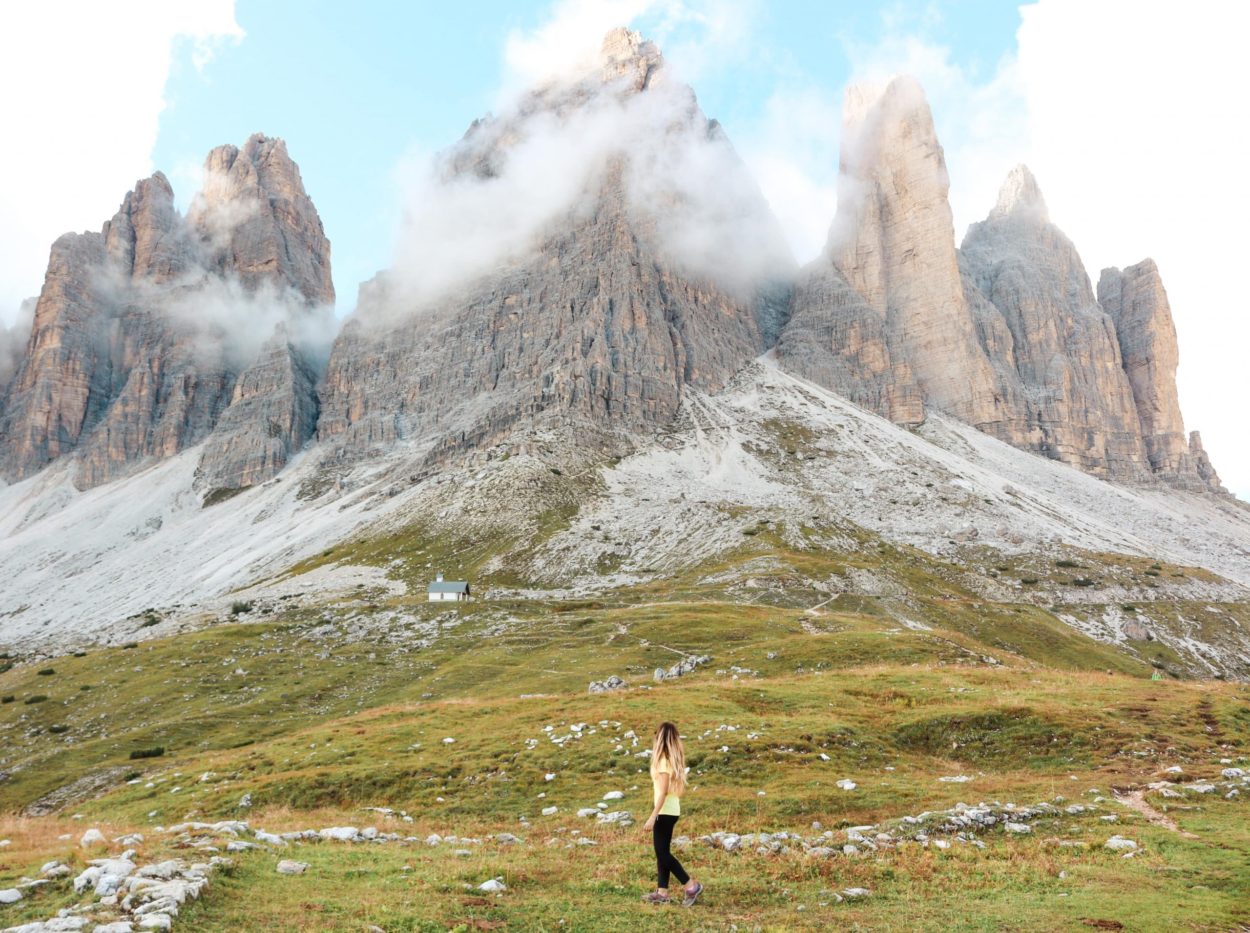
(449, 586)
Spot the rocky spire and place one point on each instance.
(1075, 403)
(1138, 304)
(123, 364)
(256, 221)
(1020, 196)
(893, 242)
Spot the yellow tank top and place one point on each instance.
(672, 803)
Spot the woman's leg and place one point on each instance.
(666, 862)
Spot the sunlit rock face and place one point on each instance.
(1005, 333)
(905, 327)
(1138, 304)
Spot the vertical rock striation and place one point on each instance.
(1006, 333)
(1076, 404)
(603, 317)
(884, 305)
(142, 330)
(1138, 304)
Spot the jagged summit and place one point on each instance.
(627, 55)
(143, 329)
(1020, 194)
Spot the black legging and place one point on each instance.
(665, 862)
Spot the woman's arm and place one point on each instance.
(662, 781)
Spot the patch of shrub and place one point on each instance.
(1128, 608)
(8, 699)
(37, 698)
(1028, 581)
(46, 672)
(129, 645)
(6, 667)
(240, 608)
(1152, 573)
(57, 730)
(132, 775)
(1069, 564)
(156, 752)
(80, 654)
(1084, 581)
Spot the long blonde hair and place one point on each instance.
(668, 745)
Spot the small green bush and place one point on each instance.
(1069, 564)
(46, 672)
(80, 654)
(6, 667)
(129, 645)
(1084, 581)
(156, 752)
(8, 699)
(239, 608)
(37, 698)
(1028, 581)
(1152, 573)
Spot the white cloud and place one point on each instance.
(84, 84)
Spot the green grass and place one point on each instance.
(317, 712)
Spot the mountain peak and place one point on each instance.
(626, 54)
(1020, 193)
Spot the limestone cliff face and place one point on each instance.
(1005, 333)
(126, 360)
(905, 326)
(272, 412)
(1138, 304)
(596, 321)
(256, 222)
(1075, 402)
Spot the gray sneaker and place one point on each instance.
(655, 897)
(692, 896)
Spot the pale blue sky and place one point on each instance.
(353, 87)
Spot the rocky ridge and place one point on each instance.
(131, 357)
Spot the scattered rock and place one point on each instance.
(608, 685)
(1120, 844)
(92, 837)
(10, 896)
(682, 667)
(291, 867)
(493, 886)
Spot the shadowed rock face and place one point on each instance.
(1075, 403)
(595, 322)
(124, 361)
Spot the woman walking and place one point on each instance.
(668, 778)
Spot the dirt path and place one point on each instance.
(1136, 800)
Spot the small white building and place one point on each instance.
(443, 590)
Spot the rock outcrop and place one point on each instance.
(1138, 304)
(1074, 402)
(600, 320)
(141, 330)
(904, 327)
(1006, 333)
